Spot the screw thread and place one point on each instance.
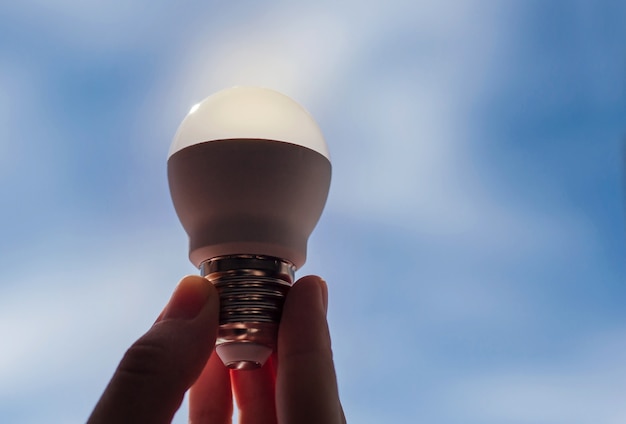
(251, 298)
(252, 292)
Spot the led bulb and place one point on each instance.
(249, 174)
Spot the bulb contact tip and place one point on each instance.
(243, 355)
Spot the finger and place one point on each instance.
(211, 397)
(152, 378)
(306, 382)
(254, 391)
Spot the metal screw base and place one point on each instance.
(252, 292)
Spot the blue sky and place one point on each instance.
(473, 240)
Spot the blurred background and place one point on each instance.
(473, 240)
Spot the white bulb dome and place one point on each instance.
(249, 113)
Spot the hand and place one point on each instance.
(297, 385)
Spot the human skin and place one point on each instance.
(296, 385)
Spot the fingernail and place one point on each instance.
(324, 288)
(188, 299)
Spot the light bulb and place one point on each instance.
(249, 173)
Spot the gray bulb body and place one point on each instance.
(248, 207)
(243, 196)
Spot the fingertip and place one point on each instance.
(309, 279)
(192, 294)
(202, 283)
(307, 283)
(303, 325)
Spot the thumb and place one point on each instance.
(152, 378)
